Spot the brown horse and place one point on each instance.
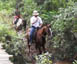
(40, 37)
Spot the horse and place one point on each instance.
(20, 24)
(40, 37)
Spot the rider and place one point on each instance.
(17, 16)
(36, 22)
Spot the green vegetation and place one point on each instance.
(75, 62)
(65, 39)
(12, 41)
(61, 14)
(43, 59)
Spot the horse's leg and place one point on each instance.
(40, 51)
(28, 46)
(43, 44)
(36, 46)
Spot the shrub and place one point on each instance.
(75, 62)
(43, 59)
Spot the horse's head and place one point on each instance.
(47, 30)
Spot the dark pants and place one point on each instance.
(32, 33)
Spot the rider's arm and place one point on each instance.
(41, 22)
(33, 21)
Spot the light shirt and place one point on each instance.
(36, 24)
(19, 22)
(15, 17)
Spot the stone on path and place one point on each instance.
(4, 57)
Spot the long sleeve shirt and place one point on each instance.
(36, 21)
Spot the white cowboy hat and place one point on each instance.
(35, 12)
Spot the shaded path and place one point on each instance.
(4, 57)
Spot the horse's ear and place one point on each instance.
(49, 25)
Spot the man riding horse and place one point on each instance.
(17, 16)
(36, 22)
(18, 22)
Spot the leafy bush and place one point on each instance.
(64, 39)
(44, 59)
(75, 62)
(13, 43)
(7, 5)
